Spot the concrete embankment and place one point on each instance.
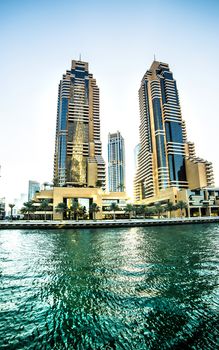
(33, 224)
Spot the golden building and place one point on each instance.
(78, 150)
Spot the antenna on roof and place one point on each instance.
(80, 57)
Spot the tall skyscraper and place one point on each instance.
(78, 158)
(116, 162)
(33, 187)
(166, 159)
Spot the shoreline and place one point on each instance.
(65, 224)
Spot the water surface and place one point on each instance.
(128, 288)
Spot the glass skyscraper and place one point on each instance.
(78, 158)
(33, 187)
(165, 157)
(116, 162)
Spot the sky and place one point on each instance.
(119, 40)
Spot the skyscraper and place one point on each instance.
(166, 159)
(78, 158)
(33, 187)
(116, 162)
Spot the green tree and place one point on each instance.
(158, 209)
(139, 210)
(61, 208)
(44, 206)
(149, 211)
(114, 207)
(94, 209)
(121, 187)
(11, 206)
(74, 209)
(28, 208)
(169, 207)
(181, 205)
(129, 210)
(82, 212)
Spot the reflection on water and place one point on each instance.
(137, 288)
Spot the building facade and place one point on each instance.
(165, 159)
(2, 208)
(78, 158)
(85, 197)
(33, 187)
(116, 162)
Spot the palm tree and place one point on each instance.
(158, 209)
(121, 187)
(129, 210)
(94, 209)
(11, 206)
(149, 211)
(139, 209)
(75, 209)
(82, 212)
(28, 208)
(169, 207)
(44, 205)
(181, 205)
(114, 207)
(61, 208)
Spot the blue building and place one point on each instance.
(116, 162)
(33, 187)
(165, 159)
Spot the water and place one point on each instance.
(136, 288)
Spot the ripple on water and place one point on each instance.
(138, 288)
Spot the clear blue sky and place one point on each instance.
(118, 39)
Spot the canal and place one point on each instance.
(116, 288)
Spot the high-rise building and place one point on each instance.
(33, 187)
(116, 162)
(136, 152)
(78, 158)
(166, 159)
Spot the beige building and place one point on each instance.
(167, 164)
(78, 158)
(85, 197)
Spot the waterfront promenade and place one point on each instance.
(52, 224)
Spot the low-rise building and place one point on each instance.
(200, 202)
(85, 197)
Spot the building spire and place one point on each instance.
(154, 57)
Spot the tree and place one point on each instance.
(158, 209)
(11, 206)
(94, 209)
(61, 208)
(75, 209)
(129, 210)
(149, 211)
(114, 207)
(44, 206)
(169, 207)
(181, 205)
(28, 208)
(82, 211)
(121, 187)
(139, 210)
